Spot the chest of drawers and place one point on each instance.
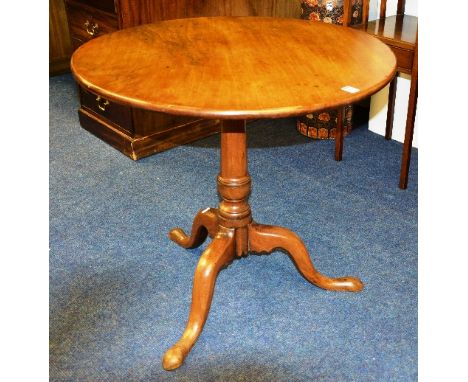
(135, 132)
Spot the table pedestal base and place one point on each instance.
(235, 235)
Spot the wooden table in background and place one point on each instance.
(235, 69)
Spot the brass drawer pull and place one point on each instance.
(91, 28)
(102, 103)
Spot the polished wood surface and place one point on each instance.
(86, 22)
(130, 13)
(218, 254)
(205, 223)
(234, 68)
(267, 238)
(399, 33)
(109, 6)
(150, 132)
(155, 10)
(117, 114)
(60, 47)
(398, 29)
(273, 8)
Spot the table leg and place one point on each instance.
(204, 224)
(218, 254)
(266, 238)
(234, 235)
(391, 107)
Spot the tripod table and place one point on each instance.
(235, 69)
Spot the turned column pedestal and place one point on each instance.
(234, 235)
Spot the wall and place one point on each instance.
(379, 101)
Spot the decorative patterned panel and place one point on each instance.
(322, 124)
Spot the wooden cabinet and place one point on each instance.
(60, 47)
(135, 132)
(86, 22)
(138, 133)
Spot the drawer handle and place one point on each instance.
(102, 103)
(91, 28)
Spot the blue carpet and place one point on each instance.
(120, 290)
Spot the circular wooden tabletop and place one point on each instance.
(234, 67)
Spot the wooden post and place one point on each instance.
(234, 183)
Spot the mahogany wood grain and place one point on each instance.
(146, 122)
(86, 23)
(170, 137)
(235, 235)
(161, 138)
(399, 33)
(158, 131)
(154, 11)
(111, 133)
(205, 223)
(232, 68)
(273, 8)
(266, 238)
(109, 6)
(234, 183)
(114, 113)
(397, 30)
(219, 254)
(60, 47)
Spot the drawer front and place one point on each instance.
(116, 114)
(103, 5)
(148, 122)
(86, 23)
(404, 59)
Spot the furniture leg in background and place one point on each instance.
(339, 136)
(409, 131)
(391, 107)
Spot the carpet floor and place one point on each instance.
(120, 290)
